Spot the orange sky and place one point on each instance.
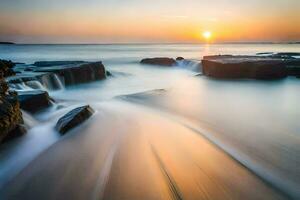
(97, 21)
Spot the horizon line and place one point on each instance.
(153, 43)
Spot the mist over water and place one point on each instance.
(255, 122)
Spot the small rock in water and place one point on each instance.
(179, 58)
(73, 118)
(159, 61)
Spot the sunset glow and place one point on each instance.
(117, 21)
(207, 35)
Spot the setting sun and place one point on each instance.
(207, 35)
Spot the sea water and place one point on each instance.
(257, 122)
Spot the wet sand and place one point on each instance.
(129, 152)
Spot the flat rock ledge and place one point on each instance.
(73, 118)
(250, 67)
(34, 101)
(163, 61)
(56, 63)
(76, 73)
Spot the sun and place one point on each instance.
(207, 35)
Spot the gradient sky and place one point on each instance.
(117, 21)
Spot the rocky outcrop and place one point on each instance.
(6, 68)
(10, 113)
(34, 101)
(74, 118)
(56, 63)
(253, 67)
(79, 73)
(159, 61)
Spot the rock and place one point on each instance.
(287, 54)
(74, 118)
(293, 71)
(35, 80)
(179, 58)
(56, 63)
(253, 67)
(159, 61)
(19, 131)
(108, 73)
(6, 68)
(10, 113)
(34, 101)
(79, 73)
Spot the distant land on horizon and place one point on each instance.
(7, 43)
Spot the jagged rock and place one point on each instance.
(34, 101)
(159, 61)
(80, 73)
(56, 63)
(10, 113)
(253, 67)
(6, 68)
(18, 131)
(74, 118)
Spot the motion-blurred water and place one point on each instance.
(256, 122)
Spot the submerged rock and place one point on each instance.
(159, 61)
(253, 67)
(79, 73)
(55, 63)
(73, 118)
(34, 101)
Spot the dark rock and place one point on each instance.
(159, 61)
(80, 73)
(6, 68)
(253, 67)
(293, 71)
(10, 113)
(108, 73)
(56, 63)
(34, 101)
(179, 58)
(19, 131)
(265, 53)
(74, 118)
(287, 54)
